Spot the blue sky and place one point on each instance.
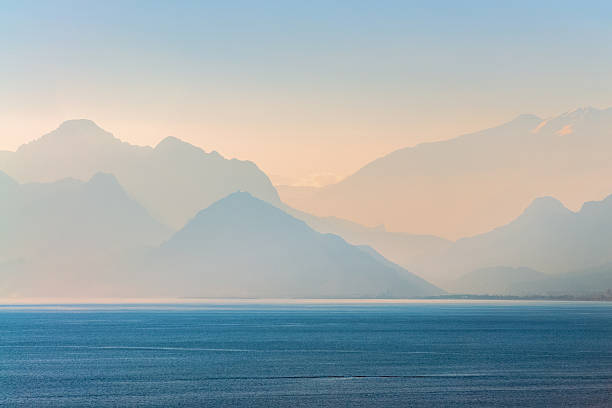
(301, 88)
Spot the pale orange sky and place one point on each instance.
(309, 90)
(289, 150)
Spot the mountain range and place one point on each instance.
(401, 248)
(173, 180)
(500, 280)
(473, 183)
(57, 236)
(244, 247)
(166, 220)
(547, 237)
(91, 239)
(73, 215)
(528, 282)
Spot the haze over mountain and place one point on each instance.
(73, 214)
(500, 280)
(244, 247)
(475, 182)
(54, 235)
(173, 181)
(589, 281)
(68, 226)
(401, 248)
(528, 282)
(546, 237)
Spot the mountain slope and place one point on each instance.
(398, 247)
(173, 181)
(589, 281)
(73, 215)
(525, 281)
(500, 280)
(473, 183)
(244, 247)
(60, 238)
(546, 237)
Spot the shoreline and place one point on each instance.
(449, 299)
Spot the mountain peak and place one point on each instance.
(80, 132)
(105, 184)
(170, 141)
(239, 211)
(242, 244)
(545, 206)
(242, 205)
(522, 121)
(103, 179)
(79, 125)
(240, 196)
(575, 116)
(175, 145)
(567, 123)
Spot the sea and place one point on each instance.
(307, 354)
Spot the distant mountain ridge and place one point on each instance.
(500, 280)
(62, 235)
(528, 282)
(401, 248)
(546, 237)
(589, 281)
(473, 183)
(96, 214)
(173, 181)
(99, 225)
(73, 238)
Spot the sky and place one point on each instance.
(310, 91)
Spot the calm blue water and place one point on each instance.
(440, 354)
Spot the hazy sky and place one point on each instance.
(301, 88)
